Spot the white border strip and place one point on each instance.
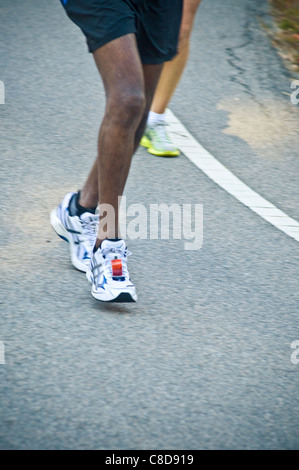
(227, 180)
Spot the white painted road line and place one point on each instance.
(218, 173)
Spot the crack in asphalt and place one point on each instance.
(235, 61)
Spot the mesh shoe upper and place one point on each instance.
(79, 231)
(108, 271)
(159, 137)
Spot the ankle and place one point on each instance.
(98, 244)
(76, 208)
(155, 118)
(87, 200)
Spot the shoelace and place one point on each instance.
(89, 226)
(115, 253)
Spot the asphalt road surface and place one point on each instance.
(204, 359)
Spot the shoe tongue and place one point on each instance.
(113, 244)
(87, 216)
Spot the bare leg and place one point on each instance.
(152, 74)
(173, 69)
(129, 87)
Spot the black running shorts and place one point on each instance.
(156, 24)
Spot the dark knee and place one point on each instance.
(134, 101)
(127, 105)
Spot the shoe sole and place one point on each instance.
(122, 297)
(145, 142)
(157, 153)
(64, 234)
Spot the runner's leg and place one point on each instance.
(152, 74)
(129, 89)
(173, 69)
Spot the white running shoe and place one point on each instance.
(79, 232)
(108, 273)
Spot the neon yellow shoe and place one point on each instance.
(158, 142)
